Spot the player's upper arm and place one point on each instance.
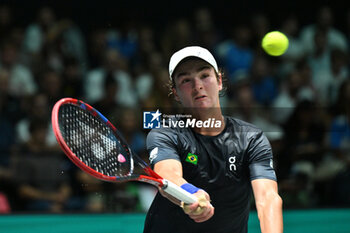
(164, 158)
(260, 158)
(161, 146)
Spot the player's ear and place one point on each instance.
(219, 75)
(176, 97)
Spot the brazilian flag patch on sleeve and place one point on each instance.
(192, 158)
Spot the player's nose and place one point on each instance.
(197, 84)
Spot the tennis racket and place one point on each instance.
(92, 143)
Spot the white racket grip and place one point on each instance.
(177, 192)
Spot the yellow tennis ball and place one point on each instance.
(275, 43)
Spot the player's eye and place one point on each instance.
(205, 75)
(185, 80)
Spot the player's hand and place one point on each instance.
(200, 211)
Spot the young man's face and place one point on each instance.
(196, 84)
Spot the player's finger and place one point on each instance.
(204, 217)
(204, 211)
(196, 208)
(188, 209)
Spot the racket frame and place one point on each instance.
(153, 177)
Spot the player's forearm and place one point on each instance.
(176, 179)
(270, 214)
(170, 170)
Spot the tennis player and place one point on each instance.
(220, 165)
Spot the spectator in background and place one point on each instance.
(178, 34)
(265, 88)
(334, 38)
(347, 28)
(73, 43)
(159, 92)
(21, 81)
(89, 193)
(38, 109)
(304, 148)
(63, 40)
(42, 182)
(283, 105)
(146, 63)
(146, 48)
(48, 40)
(51, 85)
(10, 30)
(340, 134)
(205, 30)
(10, 105)
(235, 53)
(339, 142)
(308, 90)
(333, 170)
(124, 40)
(107, 105)
(339, 139)
(97, 45)
(9, 114)
(290, 27)
(9, 111)
(339, 74)
(6, 22)
(72, 78)
(320, 64)
(341, 105)
(36, 32)
(295, 52)
(305, 133)
(260, 25)
(145, 82)
(35, 36)
(329, 70)
(113, 65)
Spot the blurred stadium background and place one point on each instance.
(114, 56)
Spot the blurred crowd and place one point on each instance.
(300, 100)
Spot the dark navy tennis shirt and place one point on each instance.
(223, 165)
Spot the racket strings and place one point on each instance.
(93, 142)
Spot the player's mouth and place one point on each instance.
(200, 97)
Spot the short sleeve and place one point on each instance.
(260, 158)
(161, 145)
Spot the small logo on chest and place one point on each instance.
(232, 162)
(192, 158)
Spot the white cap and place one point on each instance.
(191, 51)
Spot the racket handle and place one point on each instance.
(178, 192)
